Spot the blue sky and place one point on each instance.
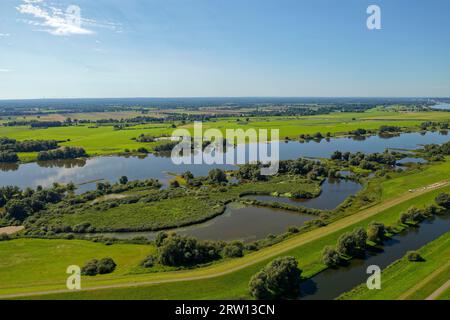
(192, 48)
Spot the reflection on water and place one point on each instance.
(334, 192)
(237, 223)
(152, 166)
(9, 166)
(67, 164)
(333, 282)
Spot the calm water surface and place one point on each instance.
(334, 192)
(86, 172)
(237, 223)
(333, 282)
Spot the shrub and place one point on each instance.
(94, 267)
(177, 250)
(234, 250)
(330, 256)
(150, 261)
(443, 200)
(279, 279)
(376, 231)
(90, 268)
(106, 265)
(414, 256)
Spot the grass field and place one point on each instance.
(169, 213)
(411, 280)
(104, 140)
(35, 262)
(229, 279)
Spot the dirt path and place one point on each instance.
(424, 282)
(11, 230)
(251, 259)
(439, 291)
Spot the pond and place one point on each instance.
(86, 173)
(334, 192)
(331, 283)
(246, 223)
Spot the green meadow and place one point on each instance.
(36, 262)
(104, 140)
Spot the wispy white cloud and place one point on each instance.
(59, 22)
(4, 35)
(4, 70)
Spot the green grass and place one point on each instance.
(402, 279)
(192, 207)
(414, 179)
(445, 295)
(234, 285)
(104, 140)
(168, 213)
(35, 262)
(335, 123)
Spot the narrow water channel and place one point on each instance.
(331, 283)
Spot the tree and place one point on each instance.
(360, 236)
(217, 176)
(106, 265)
(160, 237)
(90, 268)
(234, 249)
(94, 267)
(17, 209)
(443, 200)
(337, 155)
(279, 279)
(177, 250)
(346, 244)
(330, 256)
(376, 231)
(123, 180)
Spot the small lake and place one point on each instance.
(442, 106)
(246, 223)
(85, 173)
(334, 192)
(331, 283)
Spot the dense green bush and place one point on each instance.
(234, 249)
(94, 267)
(443, 200)
(376, 232)
(414, 256)
(62, 153)
(279, 279)
(331, 257)
(177, 250)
